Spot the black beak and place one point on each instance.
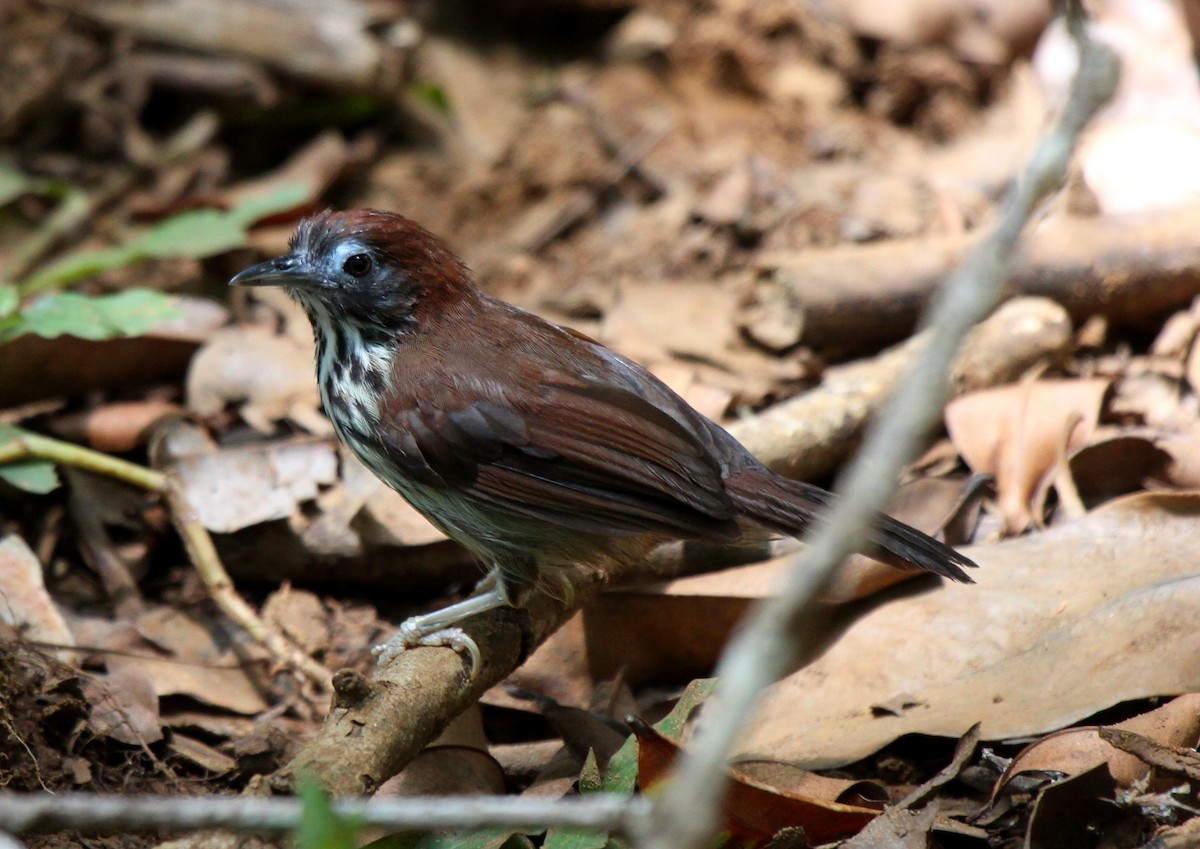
(281, 271)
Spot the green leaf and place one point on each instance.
(9, 299)
(672, 724)
(621, 775)
(590, 780)
(197, 234)
(405, 840)
(575, 838)
(13, 184)
(36, 476)
(279, 199)
(78, 265)
(434, 95)
(128, 313)
(320, 826)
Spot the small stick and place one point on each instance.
(196, 539)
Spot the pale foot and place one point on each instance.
(411, 635)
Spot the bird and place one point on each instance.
(544, 453)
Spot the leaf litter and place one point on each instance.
(715, 153)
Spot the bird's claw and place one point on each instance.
(411, 635)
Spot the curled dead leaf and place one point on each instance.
(1073, 751)
(1016, 433)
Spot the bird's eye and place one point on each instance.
(357, 265)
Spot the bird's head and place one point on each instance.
(375, 269)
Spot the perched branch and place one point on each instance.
(378, 726)
(781, 631)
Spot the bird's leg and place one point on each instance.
(440, 627)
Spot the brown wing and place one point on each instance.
(587, 455)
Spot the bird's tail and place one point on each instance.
(788, 507)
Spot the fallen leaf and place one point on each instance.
(24, 601)
(1174, 761)
(124, 706)
(677, 630)
(896, 828)
(1015, 433)
(235, 488)
(1074, 812)
(1117, 465)
(301, 616)
(1077, 750)
(1100, 606)
(269, 376)
(121, 426)
(201, 754)
(198, 665)
(457, 762)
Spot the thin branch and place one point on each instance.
(208, 565)
(31, 446)
(196, 539)
(94, 813)
(782, 632)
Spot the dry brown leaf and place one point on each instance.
(1155, 396)
(1118, 465)
(663, 324)
(896, 828)
(125, 425)
(584, 731)
(269, 376)
(1192, 365)
(124, 706)
(756, 809)
(790, 778)
(1139, 153)
(24, 601)
(457, 762)
(238, 487)
(1076, 750)
(1184, 449)
(1101, 607)
(557, 669)
(1171, 762)
(654, 634)
(201, 754)
(199, 667)
(980, 30)
(652, 321)
(1074, 812)
(1015, 433)
(315, 166)
(301, 616)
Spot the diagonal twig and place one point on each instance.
(781, 631)
(196, 539)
